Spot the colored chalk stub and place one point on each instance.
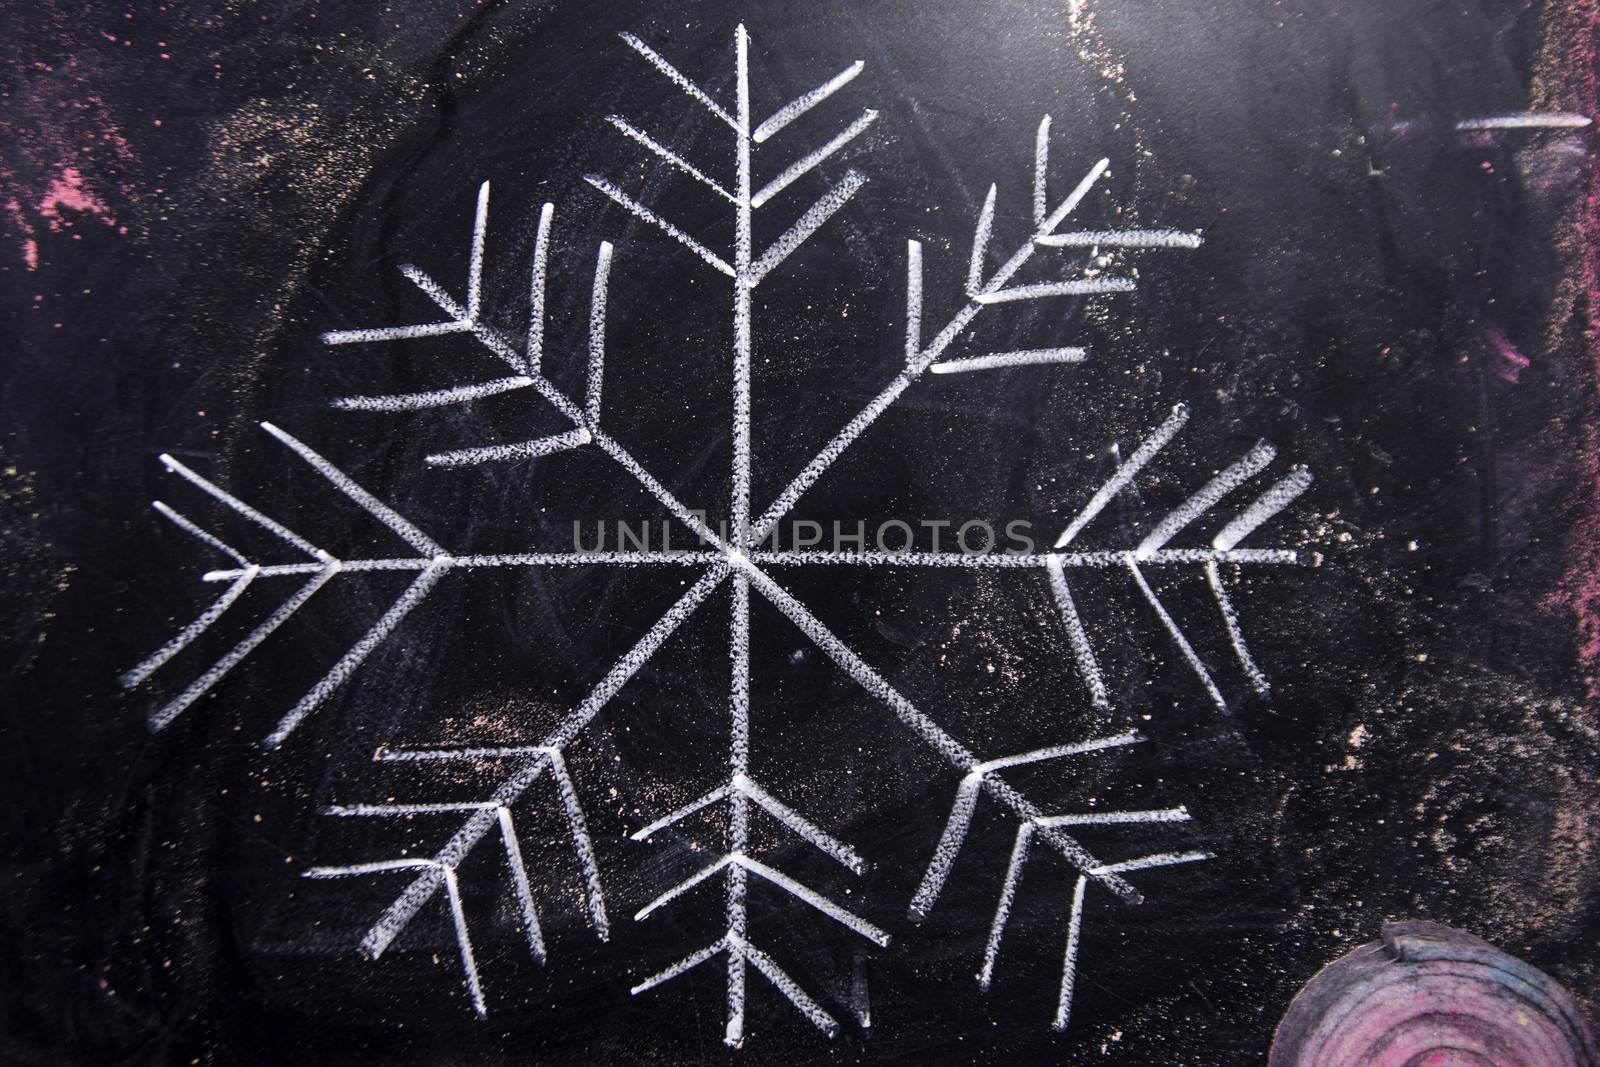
(1430, 996)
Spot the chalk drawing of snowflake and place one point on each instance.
(736, 561)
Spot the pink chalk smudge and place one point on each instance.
(1511, 362)
(64, 162)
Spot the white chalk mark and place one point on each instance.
(930, 732)
(789, 988)
(1523, 120)
(272, 526)
(948, 848)
(680, 814)
(1008, 896)
(860, 1000)
(681, 888)
(913, 301)
(1226, 481)
(1230, 619)
(386, 810)
(980, 244)
(480, 226)
(1189, 654)
(543, 446)
(660, 223)
(468, 964)
(195, 530)
(533, 357)
(1077, 635)
(1076, 287)
(519, 882)
(341, 481)
(815, 899)
(433, 398)
(419, 892)
(1158, 859)
(358, 652)
(581, 843)
(1122, 239)
(1117, 818)
(201, 685)
(357, 869)
(1077, 748)
(151, 664)
(597, 335)
(1002, 360)
(688, 963)
(394, 333)
(1069, 961)
(879, 404)
(801, 104)
(1279, 496)
(807, 829)
(1041, 172)
(1125, 473)
(816, 215)
(1028, 560)
(656, 60)
(670, 156)
(739, 487)
(955, 828)
(812, 159)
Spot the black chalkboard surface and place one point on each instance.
(960, 533)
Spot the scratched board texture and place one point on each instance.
(193, 194)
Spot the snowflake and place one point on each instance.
(739, 563)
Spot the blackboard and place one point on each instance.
(1284, 314)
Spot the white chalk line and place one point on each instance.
(919, 723)
(1189, 654)
(677, 558)
(468, 964)
(677, 816)
(195, 530)
(913, 300)
(813, 219)
(670, 157)
(581, 843)
(1125, 473)
(660, 63)
(394, 333)
(954, 836)
(1281, 494)
(1076, 287)
(1041, 172)
(519, 881)
(1122, 239)
(542, 446)
(689, 558)
(810, 831)
(597, 336)
(533, 356)
(404, 908)
(272, 526)
(1230, 619)
(659, 223)
(1029, 357)
(432, 398)
(1158, 859)
(980, 244)
(201, 685)
(805, 102)
(1522, 120)
(842, 440)
(1069, 959)
(1008, 896)
(803, 165)
(699, 877)
(1077, 635)
(810, 896)
(1117, 818)
(181, 640)
(683, 966)
(402, 527)
(1226, 481)
(788, 987)
(341, 671)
